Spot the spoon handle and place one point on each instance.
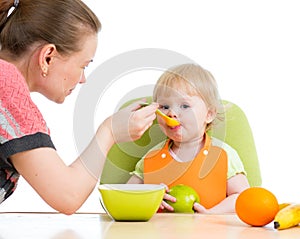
(160, 113)
(144, 104)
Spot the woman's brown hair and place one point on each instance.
(63, 23)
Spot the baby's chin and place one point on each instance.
(177, 139)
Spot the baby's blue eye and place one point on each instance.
(185, 106)
(164, 107)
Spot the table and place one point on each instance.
(161, 225)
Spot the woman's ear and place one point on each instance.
(46, 55)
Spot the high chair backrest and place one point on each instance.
(233, 130)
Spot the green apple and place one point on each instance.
(185, 196)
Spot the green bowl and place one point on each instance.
(131, 202)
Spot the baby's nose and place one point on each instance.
(172, 113)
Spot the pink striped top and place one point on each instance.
(19, 116)
(22, 126)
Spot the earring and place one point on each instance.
(44, 71)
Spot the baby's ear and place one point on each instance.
(211, 115)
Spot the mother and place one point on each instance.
(45, 47)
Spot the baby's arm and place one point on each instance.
(137, 176)
(235, 185)
(135, 180)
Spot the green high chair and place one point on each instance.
(234, 129)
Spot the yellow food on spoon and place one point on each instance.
(169, 121)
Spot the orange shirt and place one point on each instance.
(207, 173)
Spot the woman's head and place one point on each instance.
(49, 41)
(63, 23)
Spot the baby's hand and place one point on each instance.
(167, 197)
(198, 208)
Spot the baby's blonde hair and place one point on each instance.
(193, 80)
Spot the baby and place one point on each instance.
(189, 94)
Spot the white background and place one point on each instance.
(251, 47)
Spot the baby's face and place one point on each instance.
(190, 111)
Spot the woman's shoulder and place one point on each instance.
(10, 76)
(7, 67)
(12, 84)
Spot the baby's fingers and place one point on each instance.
(166, 206)
(170, 198)
(199, 208)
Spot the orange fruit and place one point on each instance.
(256, 206)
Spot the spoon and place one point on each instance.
(169, 121)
